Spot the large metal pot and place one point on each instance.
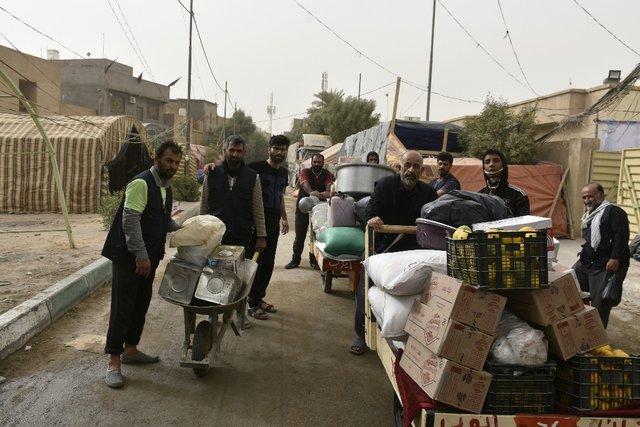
(357, 179)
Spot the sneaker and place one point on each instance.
(292, 264)
(138, 357)
(114, 378)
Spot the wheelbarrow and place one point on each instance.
(202, 341)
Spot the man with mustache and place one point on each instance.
(273, 179)
(496, 175)
(135, 245)
(232, 192)
(605, 252)
(314, 181)
(396, 200)
(445, 181)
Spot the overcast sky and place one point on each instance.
(261, 47)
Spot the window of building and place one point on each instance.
(117, 104)
(29, 90)
(153, 111)
(139, 113)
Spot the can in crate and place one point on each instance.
(587, 382)
(500, 259)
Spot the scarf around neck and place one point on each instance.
(594, 218)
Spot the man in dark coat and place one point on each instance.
(396, 200)
(605, 252)
(135, 245)
(496, 175)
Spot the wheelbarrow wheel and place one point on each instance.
(327, 280)
(201, 346)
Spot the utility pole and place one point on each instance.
(186, 156)
(224, 122)
(433, 27)
(271, 110)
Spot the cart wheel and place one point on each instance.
(327, 279)
(201, 346)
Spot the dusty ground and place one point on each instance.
(32, 261)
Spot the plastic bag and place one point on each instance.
(199, 230)
(612, 292)
(458, 208)
(517, 343)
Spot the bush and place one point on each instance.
(185, 188)
(109, 207)
(497, 126)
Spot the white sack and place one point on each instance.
(391, 312)
(406, 272)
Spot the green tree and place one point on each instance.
(499, 127)
(331, 114)
(239, 124)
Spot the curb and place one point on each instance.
(21, 323)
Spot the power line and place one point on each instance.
(478, 44)
(41, 33)
(419, 87)
(378, 88)
(513, 49)
(606, 29)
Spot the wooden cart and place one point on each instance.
(430, 418)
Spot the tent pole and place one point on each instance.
(52, 154)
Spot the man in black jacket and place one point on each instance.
(135, 245)
(605, 252)
(396, 200)
(232, 192)
(496, 175)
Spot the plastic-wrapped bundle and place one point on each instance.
(517, 343)
(319, 217)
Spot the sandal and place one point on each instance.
(358, 346)
(269, 308)
(258, 313)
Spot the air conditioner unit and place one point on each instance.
(132, 100)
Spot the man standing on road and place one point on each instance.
(496, 175)
(314, 181)
(396, 200)
(605, 252)
(232, 192)
(445, 181)
(273, 179)
(135, 245)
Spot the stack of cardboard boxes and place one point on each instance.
(569, 325)
(450, 335)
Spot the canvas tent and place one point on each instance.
(391, 139)
(83, 146)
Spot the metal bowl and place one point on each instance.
(359, 178)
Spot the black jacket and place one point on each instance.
(614, 238)
(233, 206)
(516, 198)
(397, 206)
(154, 222)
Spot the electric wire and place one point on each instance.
(513, 49)
(142, 58)
(605, 28)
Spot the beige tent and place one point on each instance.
(83, 146)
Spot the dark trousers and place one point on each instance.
(593, 279)
(302, 228)
(130, 298)
(266, 260)
(235, 241)
(358, 324)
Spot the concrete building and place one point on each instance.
(38, 79)
(204, 118)
(110, 89)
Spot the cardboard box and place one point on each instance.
(546, 306)
(464, 303)
(448, 338)
(580, 332)
(444, 380)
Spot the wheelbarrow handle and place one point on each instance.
(256, 254)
